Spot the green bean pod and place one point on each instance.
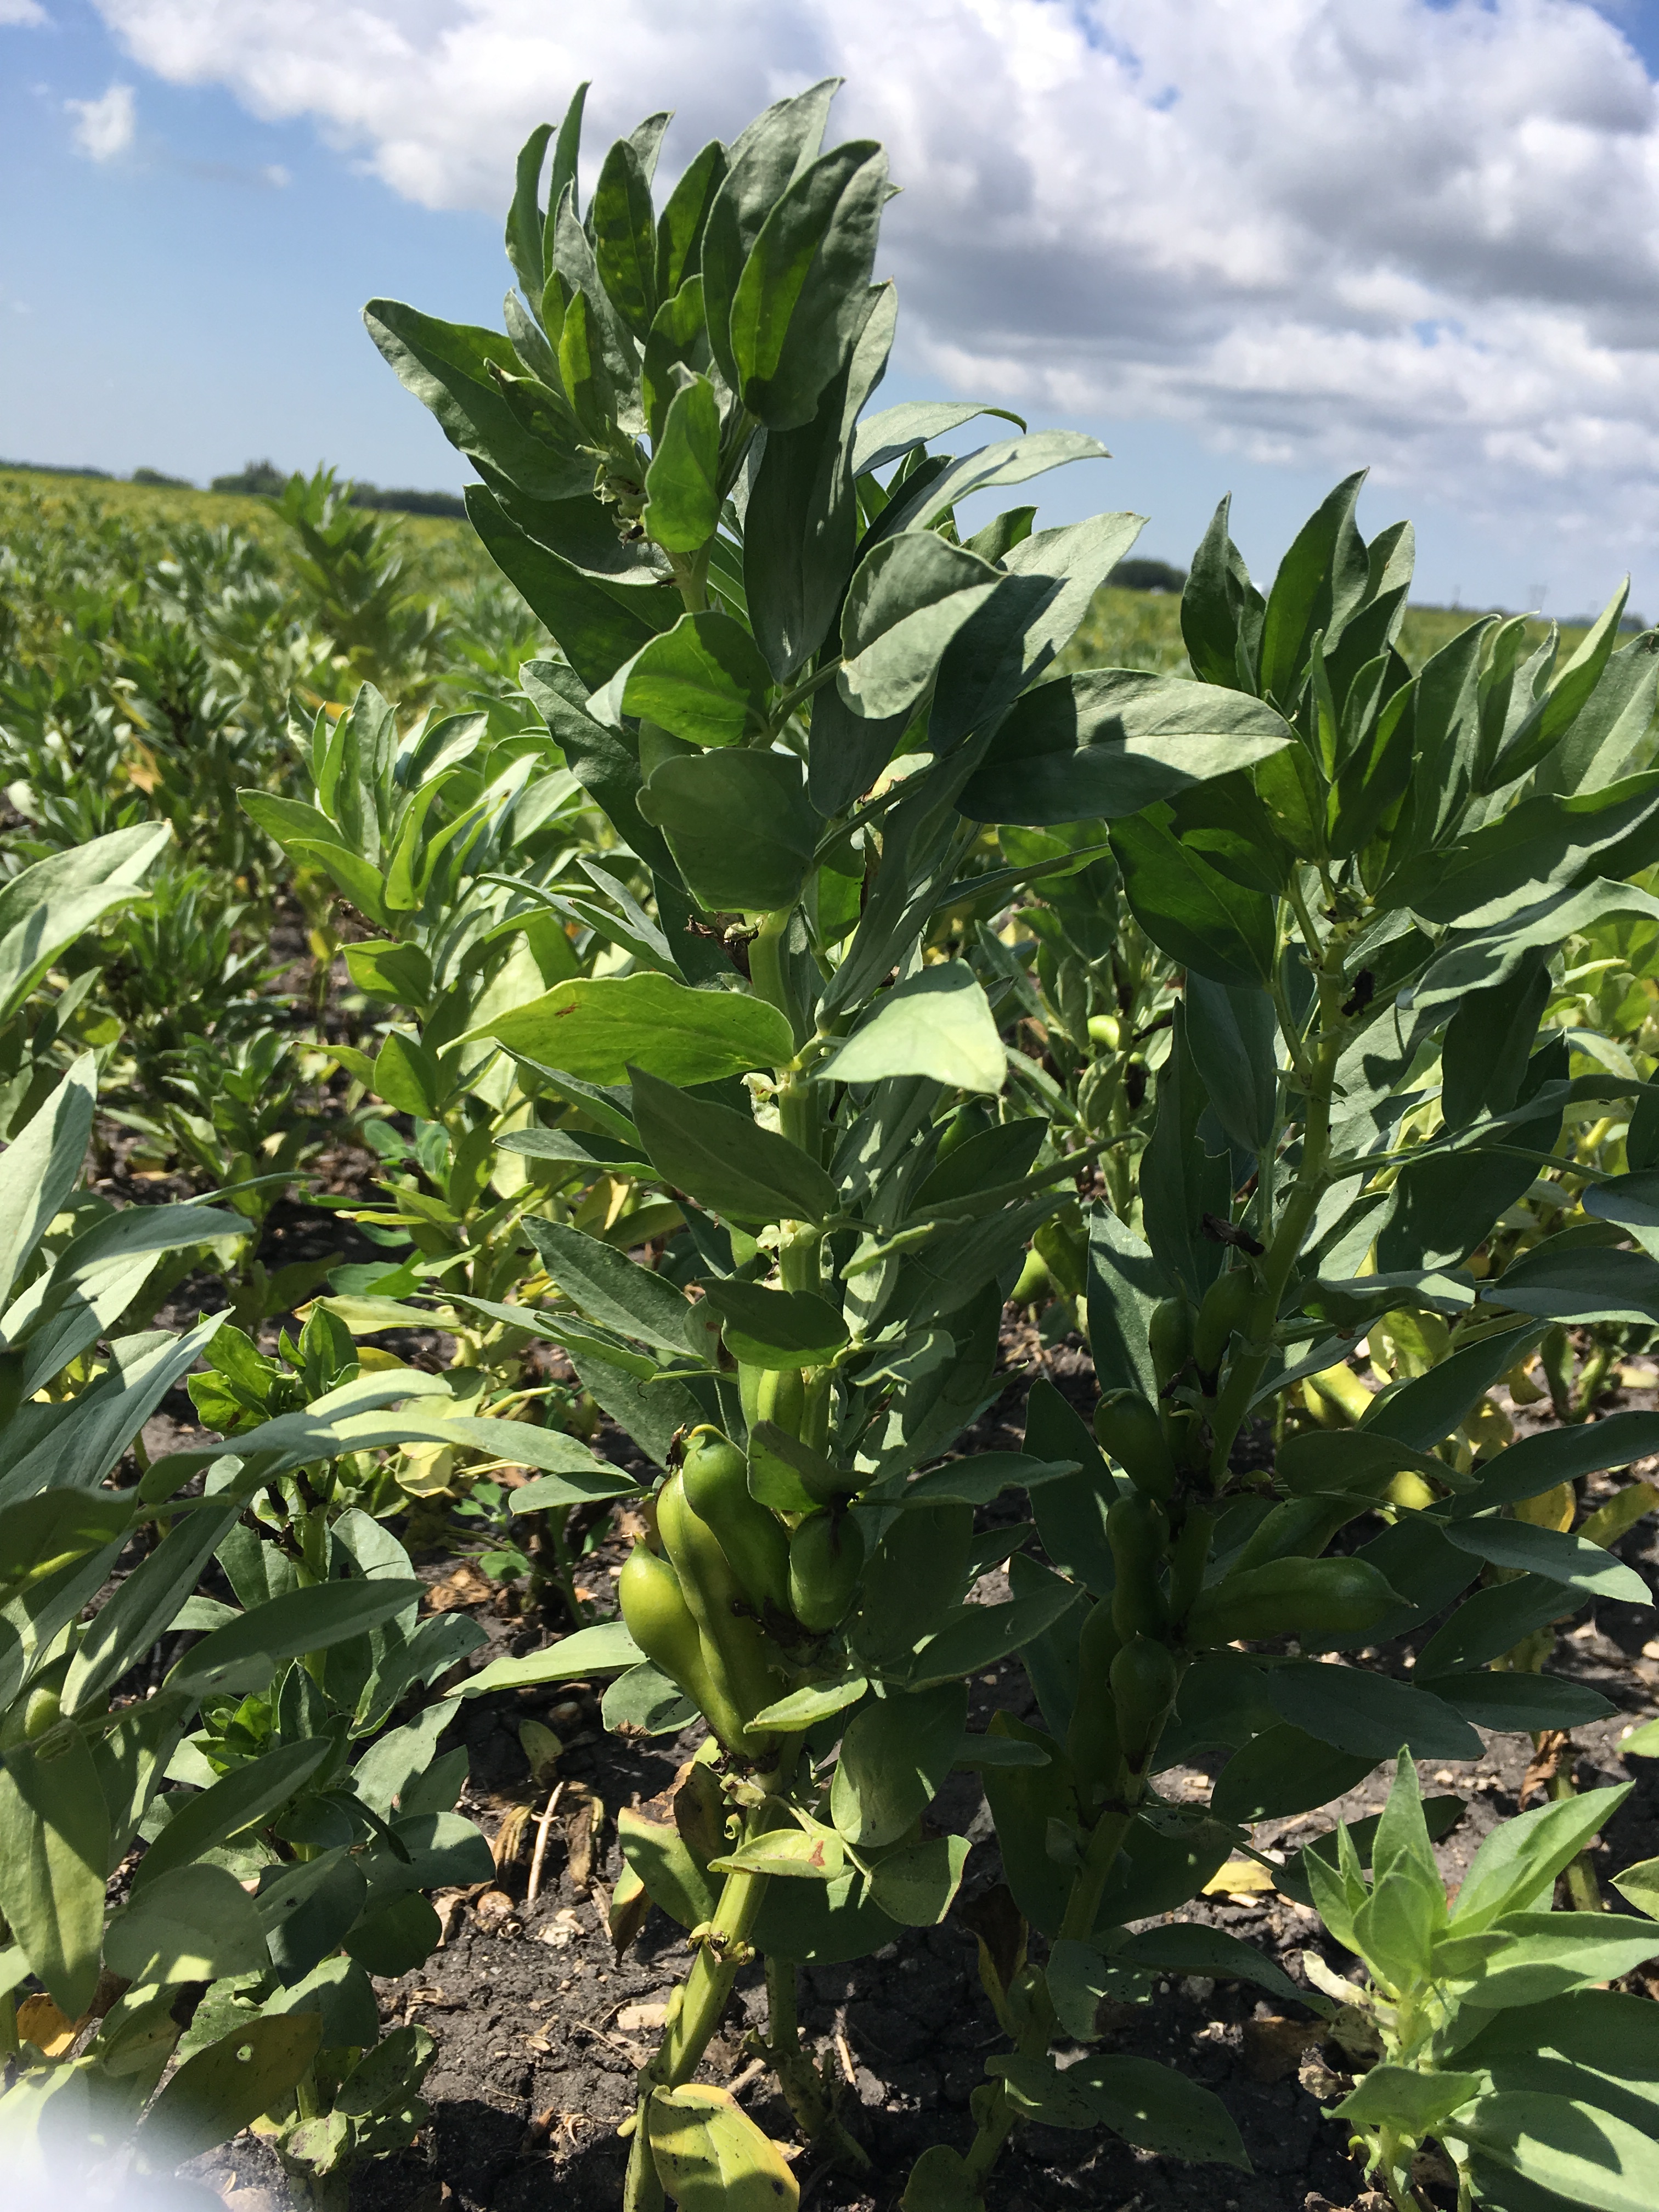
(1226, 1310)
(826, 1558)
(731, 1639)
(1138, 1532)
(1323, 1596)
(1093, 1745)
(1130, 1430)
(715, 1475)
(1145, 1680)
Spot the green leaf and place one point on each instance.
(1411, 2102)
(760, 165)
(447, 367)
(1581, 2156)
(1640, 1884)
(1488, 957)
(38, 1171)
(1284, 1770)
(1368, 1714)
(191, 1925)
(1233, 1037)
(624, 226)
(818, 1701)
(1492, 1621)
(408, 1077)
(739, 825)
(909, 597)
(607, 1648)
(1150, 2105)
(215, 2095)
(711, 2156)
(726, 1160)
(598, 626)
(703, 681)
(595, 1027)
(790, 1852)
(683, 508)
(1110, 741)
(673, 1877)
(236, 1801)
(611, 1289)
(799, 534)
(1425, 1410)
(41, 1536)
(894, 1760)
(978, 1479)
(916, 1885)
(245, 1653)
(680, 227)
(1199, 916)
(936, 1024)
(940, 2180)
(1548, 1551)
(54, 1858)
(1185, 1947)
(1125, 1283)
(1516, 1867)
(1545, 1954)
(1011, 460)
(1551, 716)
(645, 1699)
(144, 1606)
(1532, 1702)
(525, 218)
(1221, 610)
(799, 302)
(1320, 583)
(776, 1329)
(979, 1636)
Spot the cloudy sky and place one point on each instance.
(1252, 244)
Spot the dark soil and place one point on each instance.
(540, 2026)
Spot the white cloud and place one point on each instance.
(1421, 232)
(24, 14)
(104, 128)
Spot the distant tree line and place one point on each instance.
(262, 480)
(265, 480)
(1148, 577)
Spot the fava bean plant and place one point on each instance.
(799, 695)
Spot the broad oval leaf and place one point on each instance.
(595, 1027)
(1110, 741)
(939, 1023)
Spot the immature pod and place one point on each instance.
(1145, 1680)
(1131, 1432)
(1138, 1532)
(781, 1398)
(826, 1558)
(1226, 1308)
(1092, 1747)
(732, 1640)
(715, 1475)
(972, 1119)
(1326, 1596)
(1189, 1555)
(657, 1617)
(1106, 1031)
(1169, 1338)
(749, 1388)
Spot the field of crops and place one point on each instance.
(827, 1363)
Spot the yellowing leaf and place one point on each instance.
(710, 2156)
(41, 2023)
(1238, 1877)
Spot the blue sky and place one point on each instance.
(183, 287)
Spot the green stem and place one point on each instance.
(722, 1947)
(804, 2087)
(1089, 1884)
(1581, 1885)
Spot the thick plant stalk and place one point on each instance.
(694, 2012)
(804, 2087)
